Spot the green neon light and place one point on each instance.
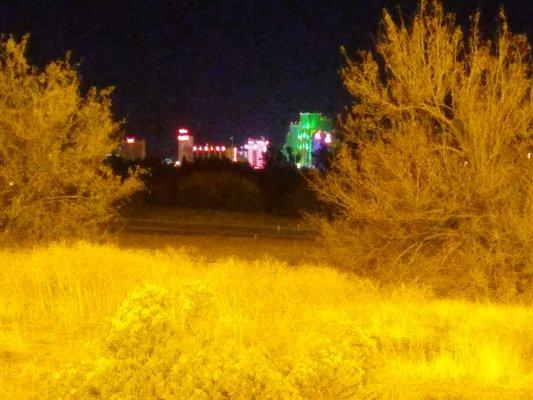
(300, 136)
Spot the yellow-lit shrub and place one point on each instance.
(66, 331)
(433, 181)
(168, 346)
(54, 139)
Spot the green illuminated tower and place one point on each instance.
(306, 136)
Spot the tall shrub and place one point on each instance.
(53, 141)
(433, 182)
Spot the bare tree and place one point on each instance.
(53, 142)
(433, 182)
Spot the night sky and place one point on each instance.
(222, 68)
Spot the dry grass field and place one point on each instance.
(222, 319)
(213, 248)
(206, 216)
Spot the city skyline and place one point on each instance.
(221, 69)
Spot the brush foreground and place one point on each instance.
(97, 321)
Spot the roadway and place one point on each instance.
(166, 227)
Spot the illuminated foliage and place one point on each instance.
(53, 141)
(301, 143)
(434, 180)
(157, 350)
(93, 321)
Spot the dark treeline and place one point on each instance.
(220, 184)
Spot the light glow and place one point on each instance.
(255, 152)
(312, 133)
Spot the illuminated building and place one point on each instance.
(185, 145)
(212, 150)
(256, 151)
(253, 152)
(133, 148)
(305, 139)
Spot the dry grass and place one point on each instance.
(213, 248)
(206, 216)
(57, 304)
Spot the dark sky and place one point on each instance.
(222, 68)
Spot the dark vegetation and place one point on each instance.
(219, 184)
(432, 182)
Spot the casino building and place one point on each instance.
(310, 135)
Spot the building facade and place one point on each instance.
(255, 153)
(185, 142)
(212, 151)
(311, 134)
(132, 148)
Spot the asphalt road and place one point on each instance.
(162, 227)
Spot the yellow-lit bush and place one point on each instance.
(433, 182)
(160, 349)
(80, 320)
(53, 142)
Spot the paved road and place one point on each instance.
(162, 227)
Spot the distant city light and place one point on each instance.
(183, 131)
(255, 154)
(253, 151)
(313, 132)
(132, 148)
(183, 138)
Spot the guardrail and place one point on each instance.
(162, 227)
